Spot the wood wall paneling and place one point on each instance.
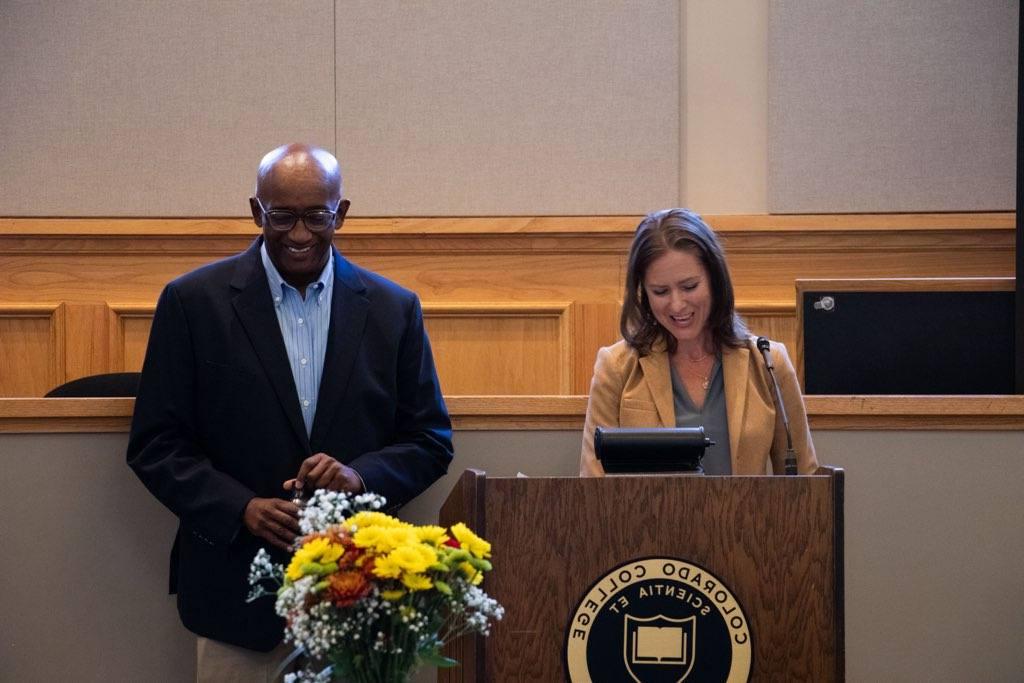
(86, 339)
(595, 324)
(31, 348)
(514, 305)
(489, 348)
(129, 334)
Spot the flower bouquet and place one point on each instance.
(369, 598)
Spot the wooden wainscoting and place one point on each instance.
(513, 305)
(32, 348)
(481, 348)
(497, 348)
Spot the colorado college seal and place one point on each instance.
(658, 620)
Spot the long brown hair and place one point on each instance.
(683, 230)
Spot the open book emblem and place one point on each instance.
(659, 649)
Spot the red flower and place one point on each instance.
(346, 587)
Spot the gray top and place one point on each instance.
(717, 458)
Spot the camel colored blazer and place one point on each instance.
(633, 391)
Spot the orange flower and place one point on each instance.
(334, 534)
(345, 587)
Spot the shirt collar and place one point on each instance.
(321, 286)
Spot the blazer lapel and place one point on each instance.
(658, 378)
(255, 310)
(349, 308)
(735, 368)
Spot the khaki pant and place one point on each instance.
(218, 662)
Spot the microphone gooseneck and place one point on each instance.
(764, 346)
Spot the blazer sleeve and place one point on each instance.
(162, 446)
(602, 408)
(422, 449)
(806, 459)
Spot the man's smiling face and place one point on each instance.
(299, 183)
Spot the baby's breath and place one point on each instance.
(354, 623)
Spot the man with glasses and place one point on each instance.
(283, 368)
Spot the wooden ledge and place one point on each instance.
(938, 413)
(912, 413)
(510, 225)
(64, 415)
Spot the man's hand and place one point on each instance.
(321, 471)
(275, 521)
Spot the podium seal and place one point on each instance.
(658, 620)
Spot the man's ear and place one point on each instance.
(257, 213)
(342, 212)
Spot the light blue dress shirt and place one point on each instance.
(304, 325)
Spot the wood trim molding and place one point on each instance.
(912, 413)
(907, 284)
(214, 237)
(956, 413)
(63, 415)
(473, 309)
(457, 225)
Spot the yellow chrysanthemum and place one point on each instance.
(398, 537)
(474, 575)
(317, 551)
(370, 537)
(434, 535)
(416, 582)
(372, 518)
(414, 559)
(386, 568)
(470, 541)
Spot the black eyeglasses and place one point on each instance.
(283, 220)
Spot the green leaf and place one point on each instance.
(482, 565)
(457, 556)
(437, 659)
(442, 587)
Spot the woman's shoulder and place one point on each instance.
(620, 354)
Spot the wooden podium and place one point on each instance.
(775, 544)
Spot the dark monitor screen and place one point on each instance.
(624, 450)
(908, 342)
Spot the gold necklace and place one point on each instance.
(705, 378)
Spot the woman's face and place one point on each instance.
(679, 294)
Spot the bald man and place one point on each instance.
(284, 366)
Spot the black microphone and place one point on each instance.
(764, 346)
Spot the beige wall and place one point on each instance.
(725, 106)
(892, 106)
(933, 588)
(495, 108)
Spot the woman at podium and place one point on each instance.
(687, 359)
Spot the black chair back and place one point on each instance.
(110, 385)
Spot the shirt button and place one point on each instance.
(301, 321)
(304, 361)
(305, 404)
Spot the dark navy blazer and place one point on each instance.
(217, 420)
